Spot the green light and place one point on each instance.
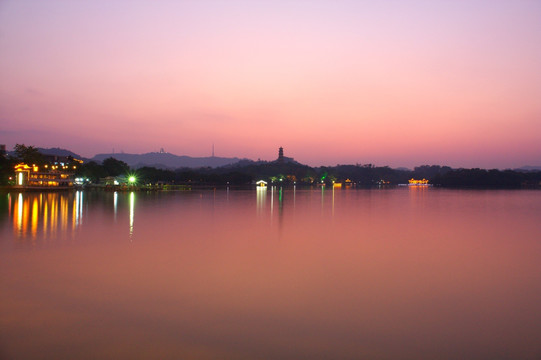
(131, 179)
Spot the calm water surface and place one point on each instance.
(267, 274)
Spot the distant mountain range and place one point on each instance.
(167, 160)
(529, 168)
(161, 160)
(60, 152)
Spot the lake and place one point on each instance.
(403, 273)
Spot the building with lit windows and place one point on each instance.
(46, 176)
(413, 182)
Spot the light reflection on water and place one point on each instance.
(132, 211)
(46, 215)
(272, 273)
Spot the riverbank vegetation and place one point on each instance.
(285, 173)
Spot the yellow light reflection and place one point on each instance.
(45, 217)
(55, 211)
(54, 215)
(35, 215)
(64, 213)
(19, 218)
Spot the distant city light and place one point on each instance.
(131, 179)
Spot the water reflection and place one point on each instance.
(115, 202)
(332, 212)
(322, 197)
(294, 195)
(277, 193)
(261, 199)
(19, 205)
(281, 206)
(48, 215)
(34, 218)
(132, 212)
(272, 202)
(360, 274)
(44, 213)
(79, 199)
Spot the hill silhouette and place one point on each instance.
(164, 160)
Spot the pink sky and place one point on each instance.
(398, 83)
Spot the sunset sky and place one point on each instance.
(398, 83)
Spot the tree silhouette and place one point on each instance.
(114, 167)
(28, 154)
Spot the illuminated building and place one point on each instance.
(413, 182)
(261, 183)
(58, 176)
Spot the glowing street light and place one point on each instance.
(132, 179)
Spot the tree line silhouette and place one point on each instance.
(288, 173)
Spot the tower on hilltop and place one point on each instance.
(281, 154)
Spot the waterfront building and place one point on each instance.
(261, 183)
(45, 176)
(414, 182)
